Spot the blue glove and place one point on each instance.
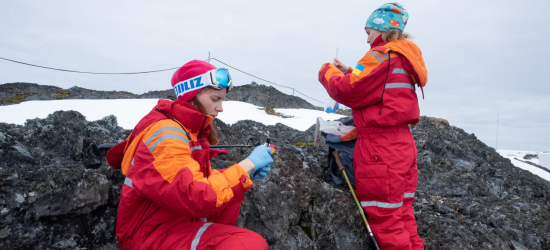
(261, 157)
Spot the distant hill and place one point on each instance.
(267, 96)
(260, 95)
(14, 93)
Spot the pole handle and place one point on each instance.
(338, 159)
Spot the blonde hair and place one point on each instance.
(392, 35)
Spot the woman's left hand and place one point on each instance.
(261, 157)
(340, 65)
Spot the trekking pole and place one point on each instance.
(342, 168)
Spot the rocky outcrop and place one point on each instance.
(469, 197)
(48, 199)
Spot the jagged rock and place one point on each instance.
(469, 197)
(476, 198)
(48, 200)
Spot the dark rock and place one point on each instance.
(518, 246)
(48, 200)
(473, 196)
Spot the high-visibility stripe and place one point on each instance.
(132, 163)
(163, 129)
(381, 204)
(128, 182)
(197, 238)
(377, 56)
(196, 147)
(408, 195)
(166, 137)
(399, 71)
(399, 85)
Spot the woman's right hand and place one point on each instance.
(261, 157)
(341, 66)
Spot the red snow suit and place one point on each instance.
(380, 90)
(172, 198)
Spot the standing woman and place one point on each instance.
(380, 90)
(171, 197)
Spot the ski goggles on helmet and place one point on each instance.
(216, 79)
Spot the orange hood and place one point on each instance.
(413, 55)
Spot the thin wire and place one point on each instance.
(265, 79)
(153, 71)
(85, 72)
(249, 74)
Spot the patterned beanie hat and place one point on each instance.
(390, 16)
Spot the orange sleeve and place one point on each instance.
(172, 178)
(171, 155)
(366, 65)
(352, 89)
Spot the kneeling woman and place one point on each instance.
(172, 198)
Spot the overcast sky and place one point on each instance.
(485, 59)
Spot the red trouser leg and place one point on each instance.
(407, 210)
(207, 235)
(386, 178)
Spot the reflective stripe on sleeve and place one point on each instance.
(399, 71)
(377, 56)
(128, 182)
(399, 85)
(166, 137)
(196, 147)
(408, 195)
(163, 129)
(197, 238)
(381, 204)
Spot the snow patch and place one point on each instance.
(513, 155)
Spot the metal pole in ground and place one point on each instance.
(342, 168)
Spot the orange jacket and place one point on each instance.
(169, 178)
(381, 88)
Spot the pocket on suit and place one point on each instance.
(372, 182)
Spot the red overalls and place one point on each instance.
(380, 90)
